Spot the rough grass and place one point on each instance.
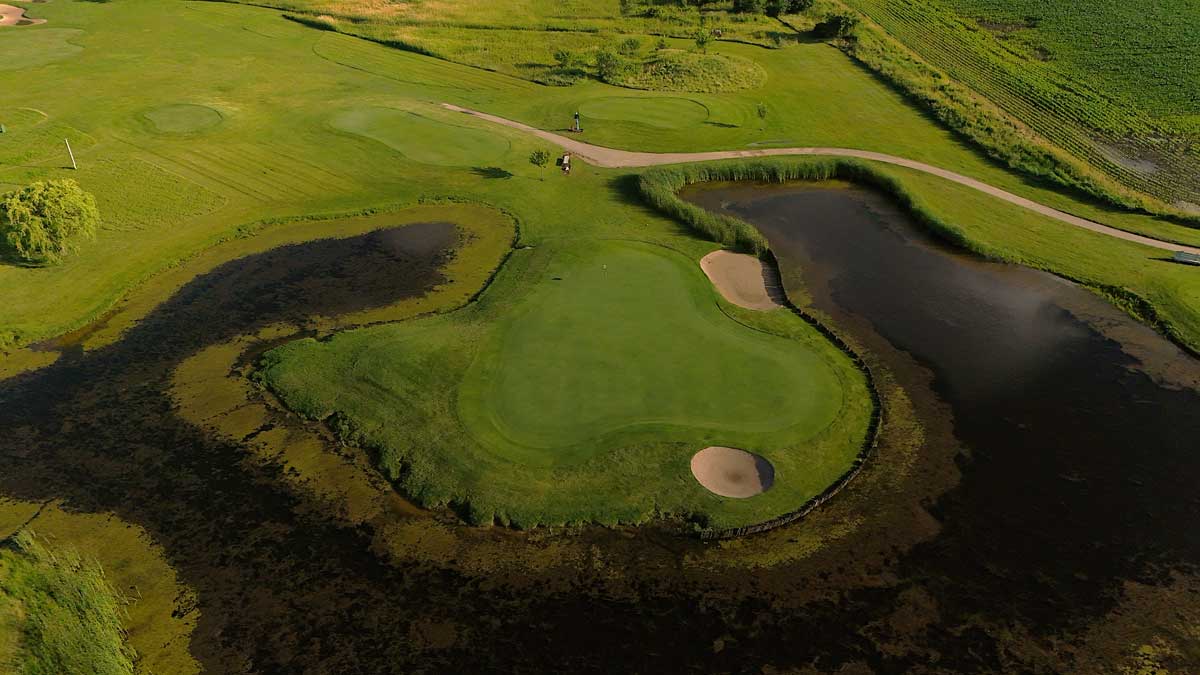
(695, 72)
(565, 395)
(1037, 109)
(69, 616)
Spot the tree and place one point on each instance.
(761, 109)
(539, 158)
(45, 221)
(838, 25)
(609, 66)
(703, 37)
(776, 7)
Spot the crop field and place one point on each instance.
(1115, 84)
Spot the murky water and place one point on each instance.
(1056, 466)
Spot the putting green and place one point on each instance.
(421, 138)
(182, 118)
(660, 112)
(627, 340)
(21, 49)
(580, 387)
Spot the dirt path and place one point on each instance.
(15, 16)
(743, 280)
(612, 158)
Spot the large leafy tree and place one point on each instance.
(46, 221)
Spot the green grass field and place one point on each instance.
(566, 394)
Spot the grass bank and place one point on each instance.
(58, 612)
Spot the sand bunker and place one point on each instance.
(743, 279)
(730, 472)
(15, 16)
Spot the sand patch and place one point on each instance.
(15, 16)
(731, 472)
(743, 279)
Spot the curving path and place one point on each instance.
(612, 158)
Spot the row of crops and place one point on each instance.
(1105, 128)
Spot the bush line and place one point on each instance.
(660, 187)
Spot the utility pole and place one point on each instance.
(73, 164)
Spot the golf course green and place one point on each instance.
(577, 400)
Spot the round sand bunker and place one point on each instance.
(730, 472)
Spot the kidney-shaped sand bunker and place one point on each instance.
(731, 472)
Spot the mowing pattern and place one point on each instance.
(1109, 132)
(406, 67)
(422, 139)
(658, 112)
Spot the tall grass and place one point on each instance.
(660, 188)
(1000, 135)
(70, 617)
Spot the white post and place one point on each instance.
(73, 165)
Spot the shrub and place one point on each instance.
(609, 66)
(629, 46)
(44, 222)
(703, 37)
(539, 158)
(748, 6)
(564, 58)
(798, 6)
(838, 25)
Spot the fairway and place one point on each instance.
(595, 352)
(420, 138)
(30, 48)
(658, 112)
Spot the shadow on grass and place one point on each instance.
(491, 172)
